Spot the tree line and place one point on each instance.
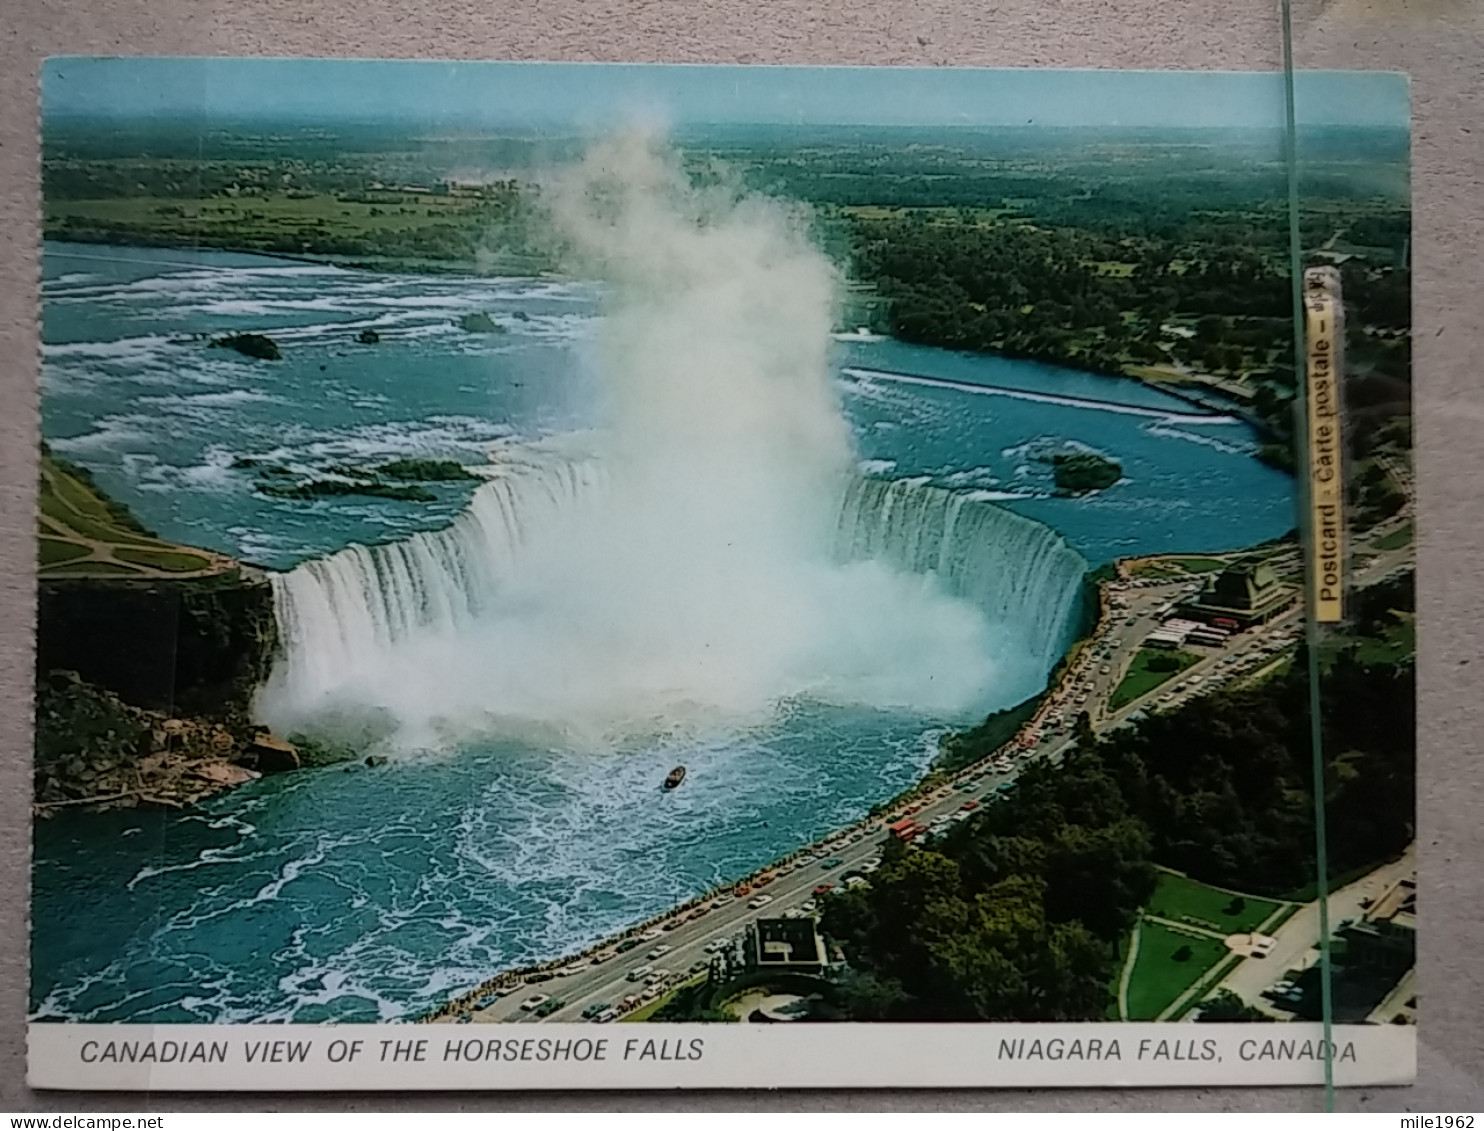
(1018, 913)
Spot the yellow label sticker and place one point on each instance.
(1324, 316)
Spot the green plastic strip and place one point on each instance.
(1312, 629)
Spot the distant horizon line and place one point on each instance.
(585, 129)
(587, 94)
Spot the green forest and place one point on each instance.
(1157, 254)
(1018, 913)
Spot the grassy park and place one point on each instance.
(83, 533)
(1199, 565)
(1168, 963)
(1178, 941)
(1184, 900)
(400, 222)
(1150, 668)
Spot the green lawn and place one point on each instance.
(93, 569)
(1181, 899)
(52, 551)
(170, 560)
(260, 215)
(73, 506)
(75, 517)
(1141, 679)
(1398, 538)
(1199, 565)
(1158, 978)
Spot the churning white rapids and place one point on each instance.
(708, 554)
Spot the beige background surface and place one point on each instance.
(1439, 42)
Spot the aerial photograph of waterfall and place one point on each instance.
(565, 543)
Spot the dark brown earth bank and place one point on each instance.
(143, 689)
(144, 683)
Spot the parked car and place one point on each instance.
(593, 1010)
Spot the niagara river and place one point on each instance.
(505, 643)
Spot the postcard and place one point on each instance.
(564, 575)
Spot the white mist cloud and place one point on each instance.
(696, 585)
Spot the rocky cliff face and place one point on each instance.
(143, 687)
(196, 646)
(95, 751)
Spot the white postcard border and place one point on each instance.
(130, 1057)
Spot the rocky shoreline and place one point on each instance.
(95, 752)
(146, 666)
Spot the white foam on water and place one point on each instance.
(878, 375)
(1187, 435)
(695, 569)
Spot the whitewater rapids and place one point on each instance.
(710, 555)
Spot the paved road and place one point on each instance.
(606, 982)
(1300, 934)
(604, 979)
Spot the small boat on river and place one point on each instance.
(675, 777)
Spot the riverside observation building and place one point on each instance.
(1242, 595)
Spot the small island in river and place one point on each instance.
(1083, 472)
(260, 346)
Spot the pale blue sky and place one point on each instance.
(583, 96)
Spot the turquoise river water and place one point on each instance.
(370, 894)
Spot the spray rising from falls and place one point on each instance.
(921, 598)
(709, 555)
(1017, 572)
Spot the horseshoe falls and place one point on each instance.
(707, 534)
(433, 639)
